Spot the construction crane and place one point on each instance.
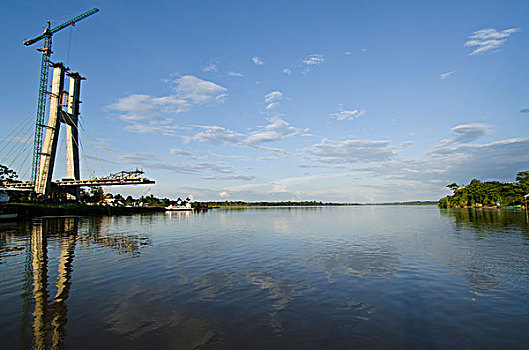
(46, 36)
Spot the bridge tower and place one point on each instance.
(57, 116)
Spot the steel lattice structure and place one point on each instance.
(46, 36)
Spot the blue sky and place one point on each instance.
(357, 101)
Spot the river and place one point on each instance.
(394, 277)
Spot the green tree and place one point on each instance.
(7, 174)
(453, 186)
(523, 177)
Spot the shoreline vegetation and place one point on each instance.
(28, 210)
(489, 194)
(220, 204)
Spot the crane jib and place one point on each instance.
(49, 32)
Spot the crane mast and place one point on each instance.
(46, 37)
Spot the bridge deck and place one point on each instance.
(84, 183)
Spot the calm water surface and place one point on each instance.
(286, 278)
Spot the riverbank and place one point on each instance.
(30, 210)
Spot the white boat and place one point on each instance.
(180, 207)
(6, 213)
(7, 216)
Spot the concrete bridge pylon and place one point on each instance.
(57, 117)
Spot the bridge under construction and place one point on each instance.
(63, 112)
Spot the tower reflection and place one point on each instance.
(46, 311)
(50, 315)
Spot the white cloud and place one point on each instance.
(148, 114)
(305, 64)
(273, 99)
(151, 161)
(272, 105)
(278, 129)
(499, 160)
(273, 96)
(211, 67)
(235, 74)
(215, 135)
(344, 114)
(446, 75)
(224, 194)
(152, 127)
(314, 59)
(257, 61)
(145, 107)
(229, 177)
(464, 134)
(179, 152)
(221, 98)
(490, 39)
(352, 151)
(196, 90)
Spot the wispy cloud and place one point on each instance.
(210, 67)
(524, 110)
(352, 151)
(179, 152)
(229, 177)
(489, 39)
(164, 127)
(196, 90)
(305, 64)
(273, 96)
(272, 105)
(277, 129)
(144, 113)
(257, 61)
(149, 114)
(314, 59)
(446, 75)
(344, 114)
(464, 134)
(273, 99)
(235, 74)
(152, 161)
(145, 107)
(215, 135)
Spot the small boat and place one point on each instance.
(6, 213)
(180, 205)
(171, 207)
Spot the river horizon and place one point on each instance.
(282, 277)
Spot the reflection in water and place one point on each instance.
(309, 278)
(49, 316)
(489, 220)
(490, 227)
(49, 312)
(358, 261)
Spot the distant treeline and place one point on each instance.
(406, 203)
(489, 193)
(271, 204)
(303, 204)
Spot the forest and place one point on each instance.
(488, 193)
